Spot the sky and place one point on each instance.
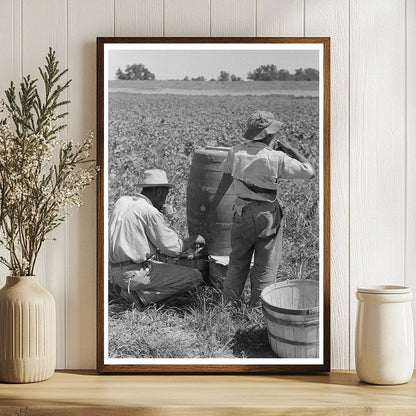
(176, 64)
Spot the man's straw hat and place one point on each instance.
(260, 124)
(155, 177)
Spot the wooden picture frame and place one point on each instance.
(107, 364)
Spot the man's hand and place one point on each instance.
(135, 279)
(193, 242)
(285, 148)
(199, 240)
(291, 152)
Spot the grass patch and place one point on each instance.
(194, 325)
(161, 131)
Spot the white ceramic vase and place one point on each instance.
(27, 331)
(384, 343)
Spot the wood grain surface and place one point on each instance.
(377, 148)
(81, 257)
(280, 18)
(379, 37)
(187, 18)
(138, 17)
(11, 66)
(233, 18)
(330, 17)
(85, 393)
(44, 25)
(410, 232)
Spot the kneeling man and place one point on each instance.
(137, 230)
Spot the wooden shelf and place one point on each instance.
(86, 393)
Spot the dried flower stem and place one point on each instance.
(36, 194)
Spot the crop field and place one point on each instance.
(216, 85)
(161, 131)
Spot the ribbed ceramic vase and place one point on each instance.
(27, 331)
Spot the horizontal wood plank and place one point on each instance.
(85, 393)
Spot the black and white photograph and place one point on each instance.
(212, 187)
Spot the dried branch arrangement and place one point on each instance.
(42, 175)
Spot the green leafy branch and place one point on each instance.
(36, 193)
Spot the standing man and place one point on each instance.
(254, 169)
(137, 230)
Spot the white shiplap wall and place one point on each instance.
(373, 132)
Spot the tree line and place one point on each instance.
(262, 73)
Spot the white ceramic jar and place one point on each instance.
(384, 343)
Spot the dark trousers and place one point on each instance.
(257, 230)
(162, 280)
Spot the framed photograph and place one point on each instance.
(213, 219)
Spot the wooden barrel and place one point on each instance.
(291, 309)
(204, 178)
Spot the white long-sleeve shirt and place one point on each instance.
(255, 163)
(137, 229)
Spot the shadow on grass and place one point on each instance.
(116, 303)
(214, 330)
(252, 343)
